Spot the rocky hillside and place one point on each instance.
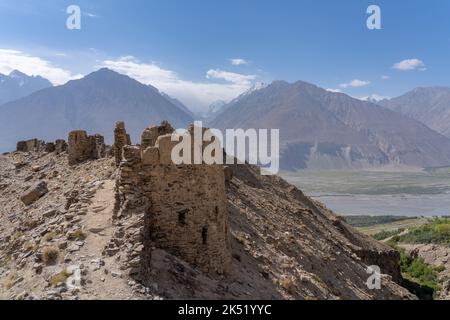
(327, 130)
(93, 103)
(284, 245)
(429, 105)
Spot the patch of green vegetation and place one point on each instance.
(5, 261)
(419, 277)
(77, 235)
(17, 235)
(369, 221)
(30, 223)
(11, 280)
(49, 236)
(382, 235)
(435, 232)
(59, 278)
(416, 269)
(50, 255)
(29, 246)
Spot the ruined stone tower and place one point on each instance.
(121, 139)
(182, 207)
(151, 134)
(30, 145)
(83, 147)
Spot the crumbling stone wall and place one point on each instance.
(60, 146)
(121, 139)
(182, 208)
(82, 147)
(30, 145)
(36, 145)
(49, 147)
(151, 134)
(79, 148)
(98, 147)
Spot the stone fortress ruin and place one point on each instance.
(83, 147)
(35, 145)
(183, 207)
(136, 225)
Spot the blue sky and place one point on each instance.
(185, 48)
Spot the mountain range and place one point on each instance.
(326, 130)
(319, 129)
(17, 85)
(429, 105)
(93, 103)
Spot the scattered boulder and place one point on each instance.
(20, 164)
(50, 213)
(34, 193)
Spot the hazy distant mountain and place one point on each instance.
(17, 85)
(219, 106)
(216, 106)
(325, 130)
(178, 103)
(256, 87)
(213, 110)
(93, 103)
(428, 105)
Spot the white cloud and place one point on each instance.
(17, 60)
(385, 77)
(232, 77)
(410, 64)
(197, 95)
(145, 73)
(238, 62)
(90, 15)
(355, 84)
(334, 90)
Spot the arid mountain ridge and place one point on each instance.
(327, 130)
(319, 129)
(429, 105)
(92, 103)
(16, 85)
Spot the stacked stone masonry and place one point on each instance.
(83, 147)
(151, 134)
(121, 139)
(182, 207)
(35, 145)
(30, 145)
(60, 146)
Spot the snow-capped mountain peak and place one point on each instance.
(17, 85)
